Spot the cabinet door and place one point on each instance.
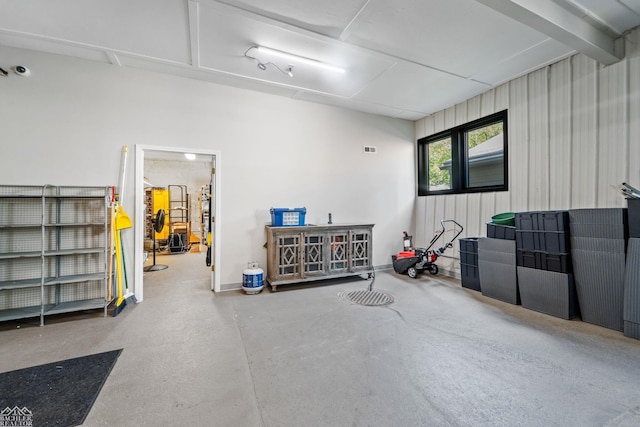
(360, 250)
(287, 251)
(314, 255)
(338, 251)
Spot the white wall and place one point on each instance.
(573, 134)
(66, 125)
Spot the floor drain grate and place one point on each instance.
(366, 297)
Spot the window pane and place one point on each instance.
(468, 158)
(485, 156)
(440, 164)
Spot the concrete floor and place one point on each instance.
(440, 355)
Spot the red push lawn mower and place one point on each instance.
(413, 261)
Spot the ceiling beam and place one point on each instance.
(558, 23)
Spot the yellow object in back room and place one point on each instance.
(160, 200)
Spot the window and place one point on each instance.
(468, 158)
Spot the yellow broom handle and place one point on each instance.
(118, 264)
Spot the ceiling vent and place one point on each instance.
(369, 149)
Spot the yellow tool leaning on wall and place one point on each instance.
(122, 221)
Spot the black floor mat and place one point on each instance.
(56, 394)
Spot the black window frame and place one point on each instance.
(459, 157)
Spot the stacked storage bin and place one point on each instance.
(631, 307)
(469, 263)
(633, 211)
(497, 264)
(544, 263)
(598, 246)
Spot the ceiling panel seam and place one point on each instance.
(324, 38)
(272, 83)
(96, 48)
(373, 79)
(346, 32)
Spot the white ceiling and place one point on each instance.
(403, 58)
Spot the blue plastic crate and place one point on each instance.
(287, 216)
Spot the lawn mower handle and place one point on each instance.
(441, 232)
(449, 244)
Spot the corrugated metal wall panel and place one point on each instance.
(518, 144)
(538, 125)
(502, 98)
(633, 48)
(461, 208)
(560, 135)
(488, 102)
(439, 212)
(584, 126)
(473, 108)
(450, 118)
(503, 198)
(439, 121)
(487, 210)
(573, 134)
(421, 204)
(430, 125)
(461, 113)
(449, 210)
(502, 203)
(612, 140)
(472, 221)
(421, 213)
(419, 126)
(433, 212)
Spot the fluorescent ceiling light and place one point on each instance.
(190, 156)
(300, 59)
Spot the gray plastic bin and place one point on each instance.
(631, 309)
(548, 292)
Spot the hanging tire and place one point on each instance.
(433, 269)
(412, 272)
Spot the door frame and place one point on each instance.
(139, 214)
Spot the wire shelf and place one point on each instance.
(53, 249)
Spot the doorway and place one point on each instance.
(145, 153)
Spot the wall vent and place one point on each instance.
(369, 149)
